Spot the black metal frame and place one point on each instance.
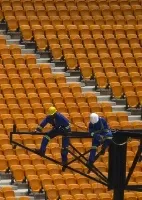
(102, 179)
(117, 179)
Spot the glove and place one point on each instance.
(92, 134)
(37, 130)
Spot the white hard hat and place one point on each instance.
(94, 118)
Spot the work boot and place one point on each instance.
(140, 159)
(89, 164)
(102, 151)
(64, 164)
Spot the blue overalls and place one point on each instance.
(61, 126)
(101, 135)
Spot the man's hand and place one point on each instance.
(37, 130)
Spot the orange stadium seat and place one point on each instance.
(101, 40)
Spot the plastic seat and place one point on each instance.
(75, 88)
(52, 88)
(51, 192)
(124, 77)
(52, 168)
(60, 78)
(24, 198)
(22, 70)
(91, 196)
(29, 170)
(45, 68)
(84, 108)
(34, 183)
(110, 116)
(6, 118)
(137, 125)
(79, 197)
(132, 99)
(56, 52)
(74, 189)
(106, 107)
(101, 80)
(41, 43)
(2, 40)
(77, 120)
(86, 71)
(72, 108)
(104, 196)
(86, 188)
(49, 31)
(26, 32)
(67, 197)
(130, 195)
(122, 116)
(57, 179)
(30, 59)
(68, 98)
(126, 125)
(7, 59)
(61, 107)
(18, 173)
(4, 164)
(127, 87)
(8, 192)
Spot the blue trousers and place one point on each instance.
(65, 142)
(98, 140)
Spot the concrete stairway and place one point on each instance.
(57, 67)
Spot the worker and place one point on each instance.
(60, 126)
(99, 130)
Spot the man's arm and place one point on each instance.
(66, 124)
(106, 126)
(43, 123)
(91, 130)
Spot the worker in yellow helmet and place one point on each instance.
(60, 126)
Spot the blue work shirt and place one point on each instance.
(101, 127)
(58, 121)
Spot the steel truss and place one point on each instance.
(116, 179)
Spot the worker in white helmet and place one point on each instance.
(101, 133)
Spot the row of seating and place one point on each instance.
(40, 175)
(71, 3)
(38, 89)
(53, 8)
(7, 193)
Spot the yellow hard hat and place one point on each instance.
(52, 110)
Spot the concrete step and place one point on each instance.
(134, 117)
(73, 79)
(21, 192)
(58, 69)
(42, 60)
(13, 41)
(7, 37)
(28, 51)
(118, 108)
(112, 103)
(21, 46)
(52, 65)
(2, 32)
(103, 98)
(30, 197)
(5, 183)
(96, 93)
(88, 89)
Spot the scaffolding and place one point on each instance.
(117, 179)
